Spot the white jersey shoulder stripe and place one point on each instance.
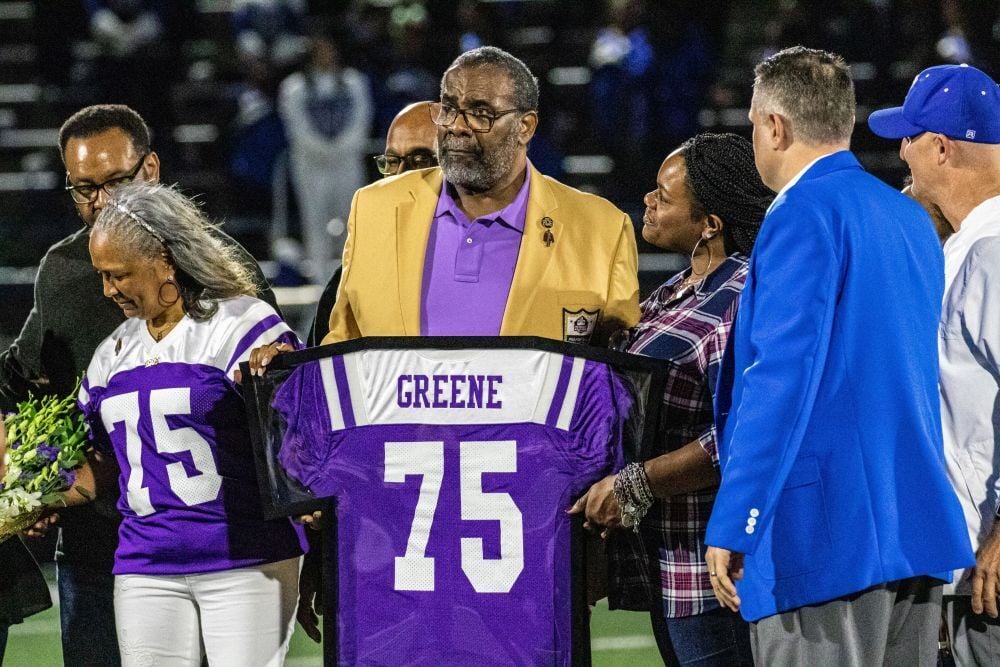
(553, 370)
(332, 394)
(356, 385)
(572, 391)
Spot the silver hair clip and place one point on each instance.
(139, 221)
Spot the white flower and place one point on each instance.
(15, 502)
(28, 500)
(12, 476)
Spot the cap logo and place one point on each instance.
(970, 134)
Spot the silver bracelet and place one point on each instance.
(632, 492)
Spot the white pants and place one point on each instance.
(239, 617)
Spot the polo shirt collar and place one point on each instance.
(512, 215)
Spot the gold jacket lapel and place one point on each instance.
(534, 255)
(413, 226)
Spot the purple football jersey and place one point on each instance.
(452, 471)
(170, 413)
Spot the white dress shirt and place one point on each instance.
(969, 345)
(795, 179)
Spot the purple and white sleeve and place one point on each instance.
(260, 326)
(302, 403)
(602, 406)
(88, 399)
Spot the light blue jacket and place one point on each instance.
(833, 476)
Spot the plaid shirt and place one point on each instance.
(689, 328)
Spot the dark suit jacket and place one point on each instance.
(23, 590)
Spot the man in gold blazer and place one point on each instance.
(485, 244)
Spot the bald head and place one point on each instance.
(411, 142)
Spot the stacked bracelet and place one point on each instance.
(633, 495)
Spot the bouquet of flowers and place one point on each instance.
(46, 443)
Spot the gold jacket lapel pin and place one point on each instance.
(547, 237)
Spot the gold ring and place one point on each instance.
(711, 574)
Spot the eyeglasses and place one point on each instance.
(478, 120)
(388, 165)
(87, 194)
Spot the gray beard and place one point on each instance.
(484, 171)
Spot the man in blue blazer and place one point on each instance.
(835, 512)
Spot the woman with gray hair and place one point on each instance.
(196, 565)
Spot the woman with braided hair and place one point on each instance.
(708, 204)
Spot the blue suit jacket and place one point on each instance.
(833, 476)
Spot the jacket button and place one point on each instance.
(750, 530)
(754, 512)
(751, 521)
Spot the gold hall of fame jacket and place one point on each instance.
(576, 277)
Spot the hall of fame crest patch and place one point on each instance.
(579, 325)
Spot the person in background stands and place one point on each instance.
(327, 111)
(949, 132)
(411, 142)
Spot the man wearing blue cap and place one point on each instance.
(835, 521)
(949, 126)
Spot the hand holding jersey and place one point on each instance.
(600, 506)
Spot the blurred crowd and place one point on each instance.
(256, 103)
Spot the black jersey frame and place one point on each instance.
(283, 496)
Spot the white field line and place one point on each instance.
(622, 643)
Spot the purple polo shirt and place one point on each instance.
(469, 267)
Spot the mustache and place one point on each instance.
(457, 145)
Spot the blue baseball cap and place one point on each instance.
(957, 101)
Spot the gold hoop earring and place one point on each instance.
(707, 266)
(159, 292)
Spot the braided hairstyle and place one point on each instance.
(723, 180)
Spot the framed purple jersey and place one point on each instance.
(452, 465)
(170, 413)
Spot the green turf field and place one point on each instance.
(618, 638)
